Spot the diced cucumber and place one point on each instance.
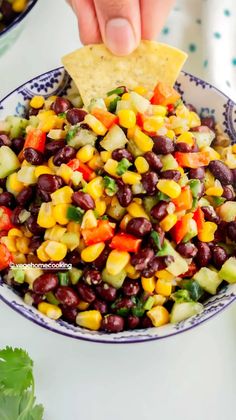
(116, 212)
(193, 231)
(9, 162)
(18, 275)
(181, 311)
(179, 265)
(71, 240)
(75, 274)
(114, 139)
(169, 162)
(27, 175)
(17, 125)
(132, 148)
(124, 105)
(227, 211)
(140, 103)
(97, 103)
(204, 139)
(115, 281)
(228, 270)
(51, 298)
(149, 202)
(208, 279)
(82, 138)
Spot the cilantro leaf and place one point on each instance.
(16, 373)
(62, 115)
(71, 133)
(14, 407)
(181, 296)
(122, 166)
(118, 91)
(156, 239)
(110, 186)
(75, 213)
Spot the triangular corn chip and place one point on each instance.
(95, 70)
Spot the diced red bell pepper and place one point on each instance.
(199, 218)
(35, 139)
(125, 242)
(140, 118)
(192, 160)
(192, 269)
(103, 232)
(181, 228)
(5, 219)
(185, 200)
(81, 167)
(5, 257)
(105, 117)
(164, 95)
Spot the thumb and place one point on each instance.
(120, 24)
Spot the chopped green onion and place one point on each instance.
(181, 296)
(162, 197)
(75, 213)
(156, 239)
(110, 186)
(118, 91)
(51, 298)
(217, 201)
(19, 275)
(63, 279)
(195, 187)
(122, 166)
(113, 104)
(149, 303)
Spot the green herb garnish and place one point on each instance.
(181, 296)
(156, 239)
(110, 186)
(113, 104)
(122, 166)
(217, 201)
(71, 133)
(118, 91)
(63, 279)
(75, 213)
(162, 197)
(62, 115)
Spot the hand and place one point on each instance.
(120, 24)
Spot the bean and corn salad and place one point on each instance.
(131, 193)
(9, 10)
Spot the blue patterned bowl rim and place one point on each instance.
(19, 18)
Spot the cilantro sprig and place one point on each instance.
(17, 400)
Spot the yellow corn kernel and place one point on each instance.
(41, 170)
(89, 220)
(170, 134)
(96, 162)
(41, 253)
(55, 250)
(95, 187)
(51, 164)
(234, 148)
(85, 153)
(187, 138)
(148, 284)
(116, 261)
(138, 200)
(25, 163)
(43, 114)
(127, 118)
(181, 170)
(89, 319)
(48, 123)
(125, 96)
(105, 155)
(214, 155)
(163, 287)
(22, 245)
(45, 216)
(19, 6)
(158, 300)
(65, 172)
(26, 232)
(82, 306)
(208, 232)
(62, 196)
(56, 134)
(135, 210)
(15, 233)
(130, 133)
(111, 167)
(158, 315)
(169, 187)
(168, 222)
(55, 233)
(164, 275)
(131, 178)
(13, 185)
(92, 252)
(71, 240)
(37, 102)
(60, 213)
(97, 127)
(144, 142)
(159, 110)
(19, 258)
(10, 243)
(209, 180)
(131, 272)
(215, 191)
(141, 90)
(100, 207)
(124, 222)
(153, 124)
(51, 311)
(73, 227)
(193, 120)
(49, 101)
(141, 165)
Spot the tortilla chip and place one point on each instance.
(95, 70)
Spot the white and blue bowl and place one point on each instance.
(9, 35)
(206, 99)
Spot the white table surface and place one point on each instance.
(188, 377)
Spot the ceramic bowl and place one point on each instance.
(9, 35)
(206, 99)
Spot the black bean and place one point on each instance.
(146, 322)
(119, 154)
(83, 200)
(113, 323)
(67, 296)
(64, 155)
(198, 173)
(124, 195)
(33, 156)
(7, 199)
(4, 140)
(141, 259)
(7, 11)
(100, 305)
(183, 147)
(161, 236)
(149, 181)
(139, 226)
(92, 277)
(132, 322)
(233, 172)
(163, 145)
(35, 243)
(17, 144)
(75, 115)
(156, 264)
(73, 258)
(15, 216)
(187, 250)
(69, 313)
(220, 233)
(106, 292)
(86, 292)
(61, 105)
(171, 174)
(203, 255)
(45, 196)
(130, 287)
(122, 303)
(45, 283)
(25, 196)
(50, 183)
(154, 161)
(159, 211)
(221, 172)
(33, 226)
(231, 231)
(228, 192)
(210, 214)
(54, 146)
(100, 262)
(3, 182)
(208, 122)
(219, 256)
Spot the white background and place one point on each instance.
(188, 377)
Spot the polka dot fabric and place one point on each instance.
(206, 30)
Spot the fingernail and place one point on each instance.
(120, 38)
